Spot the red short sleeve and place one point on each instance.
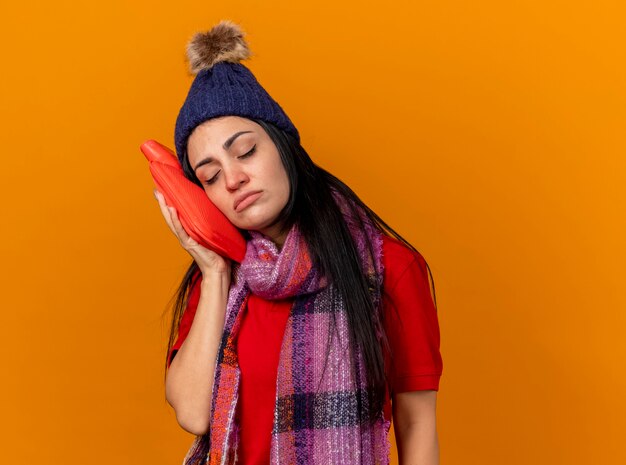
(410, 320)
(187, 319)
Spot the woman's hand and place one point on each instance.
(207, 260)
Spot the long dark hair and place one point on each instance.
(312, 207)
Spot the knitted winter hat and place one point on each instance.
(223, 86)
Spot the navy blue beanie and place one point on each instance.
(223, 86)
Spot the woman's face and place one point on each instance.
(232, 157)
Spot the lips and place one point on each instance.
(243, 197)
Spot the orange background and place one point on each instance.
(489, 134)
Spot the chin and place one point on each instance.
(252, 220)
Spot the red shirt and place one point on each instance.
(410, 320)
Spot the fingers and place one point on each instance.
(171, 217)
(180, 230)
(165, 210)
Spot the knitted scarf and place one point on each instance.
(321, 406)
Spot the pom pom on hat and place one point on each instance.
(223, 42)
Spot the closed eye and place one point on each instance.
(245, 155)
(252, 150)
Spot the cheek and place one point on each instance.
(278, 173)
(286, 186)
(219, 202)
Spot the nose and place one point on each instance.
(234, 178)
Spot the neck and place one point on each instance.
(274, 233)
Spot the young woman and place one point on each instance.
(327, 330)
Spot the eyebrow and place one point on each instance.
(225, 146)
